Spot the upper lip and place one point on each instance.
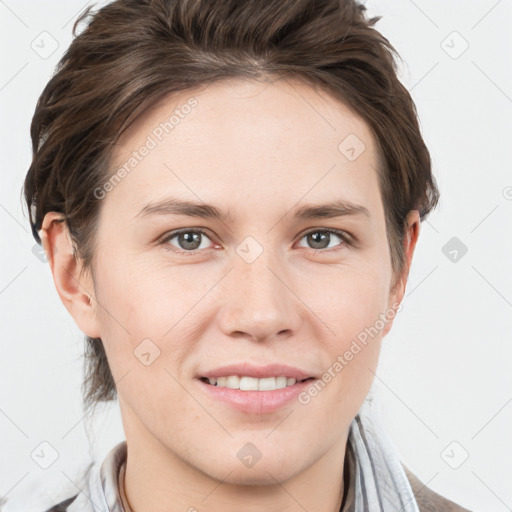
(271, 370)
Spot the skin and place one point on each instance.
(258, 151)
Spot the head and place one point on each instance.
(262, 110)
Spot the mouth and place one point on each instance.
(254, 396)
(246, 383)
(254, 390)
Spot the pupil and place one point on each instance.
(187, 238)
(319, 238)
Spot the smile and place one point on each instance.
(245, 383)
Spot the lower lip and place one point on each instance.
(256, 402)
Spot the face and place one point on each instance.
(273, 279)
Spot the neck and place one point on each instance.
(164, 483)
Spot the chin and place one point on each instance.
(266, 471)
(268, 475)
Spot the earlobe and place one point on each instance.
(75, 289)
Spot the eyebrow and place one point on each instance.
(174, 206)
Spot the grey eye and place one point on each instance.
(320, 239)
(188, 240)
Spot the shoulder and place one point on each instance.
(51, 492)
(63, 505)
(427, 499)
(18, 505)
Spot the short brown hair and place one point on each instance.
(133, 53)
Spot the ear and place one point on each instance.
(397, 292)
(75, 288)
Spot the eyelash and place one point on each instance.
(345, 237)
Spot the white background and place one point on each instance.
(445, 371)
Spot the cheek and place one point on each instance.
(353, 304)
(145, 313)
(348, 301)
(354, 311)
(144, 298)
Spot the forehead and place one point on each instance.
(236, 107)
(246, 138)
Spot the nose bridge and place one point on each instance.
(258, 302)
(260, 285)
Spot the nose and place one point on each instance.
(259, 302)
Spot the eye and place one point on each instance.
(318, 238)
(191, 240)
(188, 240)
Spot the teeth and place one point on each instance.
(233, 382)
(280, 382)
(245, 383)
(268, 384)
